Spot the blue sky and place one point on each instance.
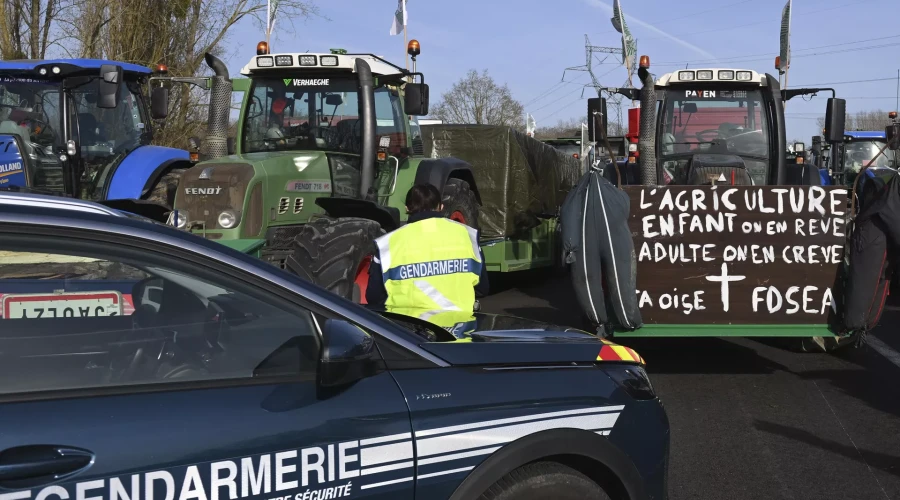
(527, 44)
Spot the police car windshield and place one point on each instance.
(320, 113)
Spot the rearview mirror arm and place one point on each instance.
(788, 94)
(203, 83)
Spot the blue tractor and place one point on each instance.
(82, 128)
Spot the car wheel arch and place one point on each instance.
(575, 448)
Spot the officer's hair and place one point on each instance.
(423, 198)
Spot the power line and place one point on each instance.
(552, 90)
(726, 28)
(557, 100)
(559, 109)
(692, 15)
(800, 85)
(735, 58)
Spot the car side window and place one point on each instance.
(92, 319)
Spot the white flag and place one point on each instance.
(399, 18)
(785, 51)
(530, 125)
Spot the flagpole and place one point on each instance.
(405, 43)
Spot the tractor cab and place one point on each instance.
(712, 120)
(70, 123)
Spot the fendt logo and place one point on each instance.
(306, 81)
(215, 190)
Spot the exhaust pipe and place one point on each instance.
(650, 174)
(367, 120)
(215, 144)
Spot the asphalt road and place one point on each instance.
(756, 419)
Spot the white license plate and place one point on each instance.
(62, 305)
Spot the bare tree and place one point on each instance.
(177, 33)
(28, 27)
(862, 120)
(477, 99)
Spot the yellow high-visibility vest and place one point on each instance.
(431, 266)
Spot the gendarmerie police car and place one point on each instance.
(139, 362)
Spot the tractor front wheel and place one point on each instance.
(335, 254)
(460, 203)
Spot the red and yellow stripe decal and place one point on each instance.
(614, 352)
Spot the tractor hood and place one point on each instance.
(275, 187)
(507, 340)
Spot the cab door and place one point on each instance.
(176, 379)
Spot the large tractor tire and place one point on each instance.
(460, 203)
(164, 190)
(335, 254)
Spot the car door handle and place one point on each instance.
(26, 466)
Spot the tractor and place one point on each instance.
(81, 128)
(327, 146)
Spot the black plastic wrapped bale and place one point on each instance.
(597, 243)
(873, 252)
(519, 178)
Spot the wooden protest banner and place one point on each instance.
(737, 254)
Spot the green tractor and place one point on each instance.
(327, 147)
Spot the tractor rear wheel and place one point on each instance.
(164, 190)
(460, 203)
(335, 254)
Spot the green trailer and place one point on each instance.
(327, 147)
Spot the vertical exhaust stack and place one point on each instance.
(215, 144)
(650, 175)
(367, 122)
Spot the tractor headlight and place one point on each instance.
(744, 76)
(685, 75)
(726, 74)
(178, 218)
(265, 62)
(705, 75)
(227, 219)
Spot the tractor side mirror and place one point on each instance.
(416, 99)
(596, 118)
(835, 114)
(110, 88)
(159, 103)
(892, 133)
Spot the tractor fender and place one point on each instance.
(135, 173)
(437, 171)
(387, 217)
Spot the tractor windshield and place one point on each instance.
(29, 109)
(858, 153)
(105, 136)
(715, 121)
(315, 114)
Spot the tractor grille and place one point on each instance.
(208, 189)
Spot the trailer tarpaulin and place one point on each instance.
(597, 243)
(519, 178)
